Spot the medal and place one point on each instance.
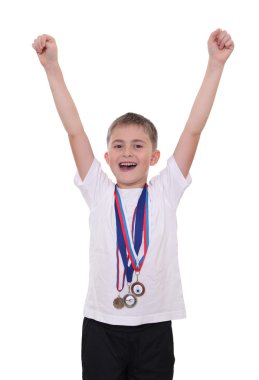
(128, 247)
(137, 288)
(118, 303)
(129, 300)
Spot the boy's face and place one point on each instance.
(130, 153)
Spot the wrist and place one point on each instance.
(215, 65)
(52, 68)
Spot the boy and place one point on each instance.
(127, 333)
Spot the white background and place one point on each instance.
(117, 56)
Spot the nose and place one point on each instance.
(127, 151)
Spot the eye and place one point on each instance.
(117, 146)
(138, 146)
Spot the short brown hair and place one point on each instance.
(134, 118)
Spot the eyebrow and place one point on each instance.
(134, 141)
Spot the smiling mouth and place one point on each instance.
(125, 166)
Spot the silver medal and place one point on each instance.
(129, 300)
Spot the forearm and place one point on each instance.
(205, 98)
(64, 103)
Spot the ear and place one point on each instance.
(106, 157)
(155, 157)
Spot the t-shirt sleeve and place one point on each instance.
(172, 182)
(94, 185)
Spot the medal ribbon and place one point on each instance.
(128, 252)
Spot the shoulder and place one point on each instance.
(170, 181)
(95, 184)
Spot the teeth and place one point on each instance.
(128, 164)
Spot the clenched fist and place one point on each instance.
(46, 49)
(220, 46)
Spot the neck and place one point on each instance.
(131, 186)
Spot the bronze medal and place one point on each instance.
(138, 289)
(118, 303)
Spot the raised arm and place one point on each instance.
(46, 49)
(220, 46)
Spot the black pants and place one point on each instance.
(144, 352)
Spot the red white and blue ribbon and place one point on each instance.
(128, 246)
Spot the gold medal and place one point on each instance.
(118, 303)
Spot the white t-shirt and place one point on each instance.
(163, 297)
